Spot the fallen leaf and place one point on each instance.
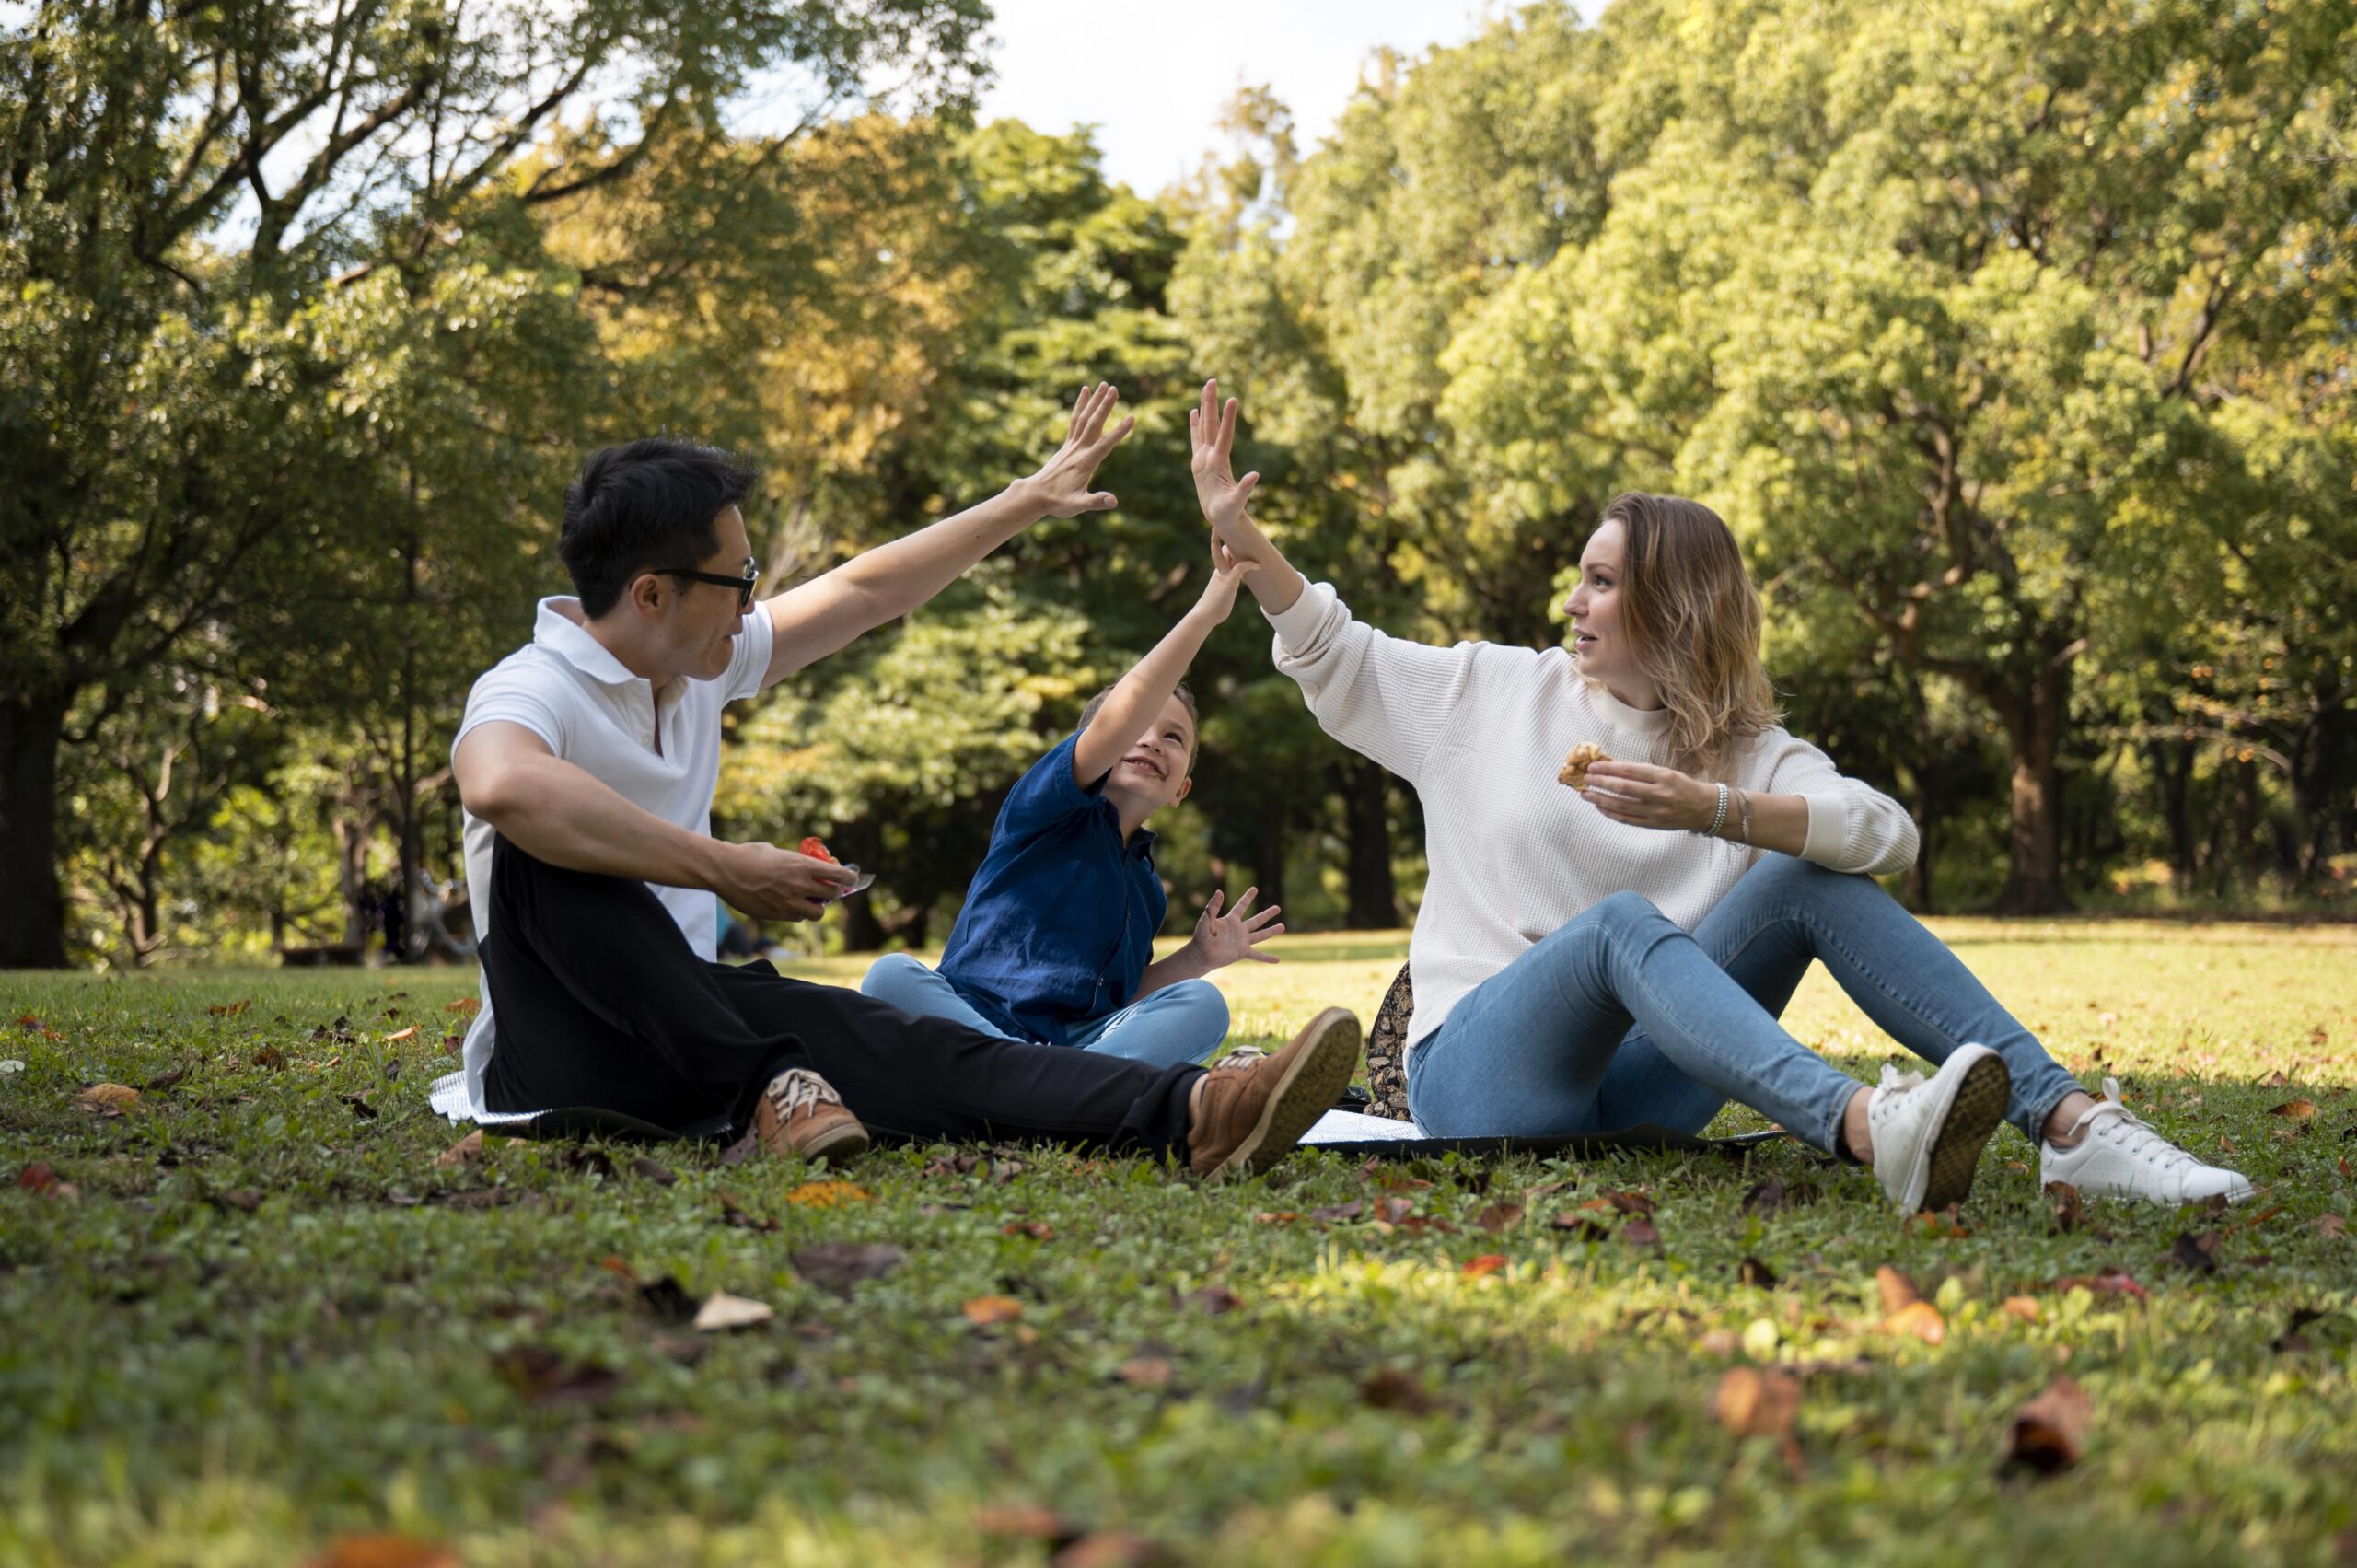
(1920, 1320)
(1274, 1217)
(1897, 1289)
(721, 1312)
(467, 1006)
(1487, 1263)
(42, 1182)
(1389, 1389)
(1640, 1232)
(839, 1265)
(109, 1099)
(1147, 1372)
(2111, 1282)
(2024, 1308)
(384, 1552)
(1752, 1271)
(2311, 1330)
(2196, 1252)
(245, 1200)
(1580, 1226)
(2274, 1080)
(28, 1021)
(1765, 1198)
(1216, 1300)
(1334, 1213)
(543, 1378)
(732, 1215)
(1755, 1404)
(270, 1058)
(1498, 1218)
(654, 1170)
(467, 1148)
(614, 1263)
(1038, 1230)
(2226, 1142)
(360, 1106)
(829, 1194)
(2294, 1110)
(2332, 1227)
(229, 1009)
(2070, 1211)
(165, 1080)
(409, 1033)
(2051, 1431)
(1639, 1203)
(1394, 1210)
(1108, 1548)
(985, 1310)
(453, 1045)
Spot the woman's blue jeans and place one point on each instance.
(1620, 1018)
(1180, 1025)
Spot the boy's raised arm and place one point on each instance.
(1140, 694)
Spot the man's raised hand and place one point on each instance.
(1221, 940)
(1061, 488)
(769, 883)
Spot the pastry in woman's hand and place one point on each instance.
(1575, 769)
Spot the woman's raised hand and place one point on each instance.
(1211, 431)
(1645, 795)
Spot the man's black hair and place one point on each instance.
(644, 505)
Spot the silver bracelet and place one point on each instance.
(1718, 819)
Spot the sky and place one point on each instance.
(1154, 78)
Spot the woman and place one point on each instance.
(1588, 959)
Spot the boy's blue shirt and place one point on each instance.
(1059, 924)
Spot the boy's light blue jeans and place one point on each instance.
(1619, 1017)
(1178, 1025)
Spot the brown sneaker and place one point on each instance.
(1250, 1116)
(800, 1113)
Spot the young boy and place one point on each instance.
(1055, 941)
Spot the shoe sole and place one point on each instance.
(1973, 1115)
(1306, 1092)
(843, 1141)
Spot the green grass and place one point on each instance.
(264, 1323)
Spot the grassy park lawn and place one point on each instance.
(265, 1320)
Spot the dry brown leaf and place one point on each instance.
(1897, 1289)
(1216, 1300)
(2050, 1432)
(1147, 1372)
(230, 1009)
(1918, 1319)
(2025, 1308)
(721, 1312)
(2331, 1226)
(985, 1310)
(109, 1099)
(1753, 1273)
(384, 1552)
(2294, 1110)
(2070, 1211)
(1640, 1232)
(2196, 1252)
(1388, 1389)
(1487, 1263)
(1755, 1404)
(1499, 1217)
(467, 1006)
(1108, 1548)
(467, 1148)
(395, 1039)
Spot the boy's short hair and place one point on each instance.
(1194, 720)
(645, 505)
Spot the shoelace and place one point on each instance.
(1237, 1061)
(797, 1089)
(2130, 1134)
(1895, 1082)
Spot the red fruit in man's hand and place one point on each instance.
(816, 851)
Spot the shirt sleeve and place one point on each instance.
(1386, 697)
(1851, 826)
(1048, 794)
(751, 659)
(510, 694)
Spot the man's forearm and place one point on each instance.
(896, 577)
(560, 813)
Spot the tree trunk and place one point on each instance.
(32, 909)
(2172, 763)
(2034, 719)
(860, 843)
(1372, 900)
(1271, 856)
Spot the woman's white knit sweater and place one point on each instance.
(1479, 730)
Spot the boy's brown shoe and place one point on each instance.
(1250, 1117)
(800, 1113)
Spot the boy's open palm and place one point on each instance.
(1221, 939)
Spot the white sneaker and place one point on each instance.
(2123, 1156)
(1928, 1136)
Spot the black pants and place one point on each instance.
(601, 1003)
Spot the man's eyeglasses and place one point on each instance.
(743, 583)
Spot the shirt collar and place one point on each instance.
(570, 641)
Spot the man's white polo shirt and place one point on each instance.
(567, 689)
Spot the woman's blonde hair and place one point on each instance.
(1693, 621)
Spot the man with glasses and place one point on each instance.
(587, 762)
